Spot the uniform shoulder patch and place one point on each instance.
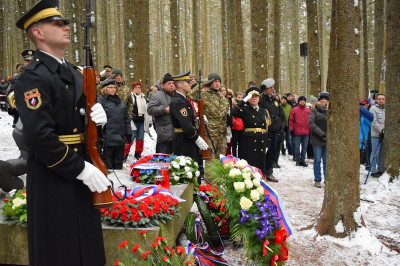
(276, 103)
(33, 99)
(183, 112)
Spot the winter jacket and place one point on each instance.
(237, 123)
(287, 108)
(162, 120)
(366, 118)
(298, 120)
(378, 124)
(118, 125)
(318, 125)
(3, 87)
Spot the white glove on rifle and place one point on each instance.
(98, 115)
(247, 97)
(201, 144)
(94, 178)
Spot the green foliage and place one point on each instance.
(15, 208)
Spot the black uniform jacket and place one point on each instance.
(63, 226)
(182, 119)
(278, 120)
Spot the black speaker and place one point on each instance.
(303, 49)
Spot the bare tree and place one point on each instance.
(365, 39)
(277, 45)
(314, 71)
(175, 40)
(342, 192)
(379, 37)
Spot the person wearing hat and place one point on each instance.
(64, 228)
(299, 129)
(216, 109)
(118, 129)
(318, 127)
(256, 120)
(291, 100)
(107, 72)
(159, 108)
(187, 141)
(124, 92)
(277, 126)
(27, 55)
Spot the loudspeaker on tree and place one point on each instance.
(303, 49)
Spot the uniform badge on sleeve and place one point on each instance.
(183, 112)
(33, 99)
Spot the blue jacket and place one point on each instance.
(366, 118)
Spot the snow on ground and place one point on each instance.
(376, 244)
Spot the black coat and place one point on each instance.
(278, 120)
(182, 117)
(63, 226)
(318, 125)
(253, 144)
(118, 123)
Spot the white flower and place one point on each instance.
(256, 182)
(254, 195)
(239, 186)
(12, 192)
(187, 169)
(182, 161)
(189, 175)
(175, 177)
(18, 202)
(257, 175)
(174, 164)
(260, 190)
(197, 173)
(196, 164)
(241, 164)
(228, 165)
(248, 183)
(246, 175)
(234, 172)
(245, 203)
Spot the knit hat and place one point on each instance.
(116, 71)
(267, 83)
(211, 78)
(167, 78)
(323, 94)
(313, 100)
(302, 98)
(284, 97)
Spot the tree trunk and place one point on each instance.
(379, 33)
(342, 192)
(277, 45)
(259, 36)
(175, 40)
(365, 39)
(314, 71)
(392, 122)
(225, 40)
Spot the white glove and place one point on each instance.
(94, 178)
(201, 144)
(98, 115)
(205, 119)
(247, 97)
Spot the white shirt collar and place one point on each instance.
(180, 93)
(56, 58)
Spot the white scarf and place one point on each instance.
(140, 103)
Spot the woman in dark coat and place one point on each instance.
(118, 129)
(255, 121)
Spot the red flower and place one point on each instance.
(148, 213)
(222, 209)
(212, 205)
(156, 209)
(166, 248)
(171, 212)
(124, 217)
(273, 259)
(143, 232)
(265, 247)
(136, 173)
(123, 244)
(172, 252)
(180, 250)
(135, 248)
(223, 222)
(165, 207)
(283, 253)
(136, 217)
(217, 219)
(137, 180)
(164, 258)
(189, 263)
(143, 207)
(116, 263)
(144, 256)
(280, 236)
(106, 213)
(147, 252)
(114, 214)
(134, 210)
(155, 244)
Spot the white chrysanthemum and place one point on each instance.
(234, 172)
(257, 175)
(241, 164)
(182, 161)
(239, 186)
(229, 165)
(196, 164)
(18, 202)
(175, 177)
(260, 190)
(197, 173)
(189, 175)
(12, 192)
(187, 169)
(254, 195)
(246, 175)
(249, 183)
(256, 182)
(174, 164)
(245, 203)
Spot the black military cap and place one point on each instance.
(108, 68)
(108, 82)
(43, 10)
(167, 78)
(28, 55)
(182, 77)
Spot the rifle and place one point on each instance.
(205, 154)
(100, 200)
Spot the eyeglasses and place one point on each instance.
(111, 87)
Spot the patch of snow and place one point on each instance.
(339, 227)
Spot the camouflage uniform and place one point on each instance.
(216, 110)
(125, 94)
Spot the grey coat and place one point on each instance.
(318, 125)
(162, 121)
(379, 119)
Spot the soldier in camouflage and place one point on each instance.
(216, 110)
(123, 91)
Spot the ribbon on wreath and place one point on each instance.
(227, 159)
(273, 195)
(140, 192)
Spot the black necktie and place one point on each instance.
(65, 73)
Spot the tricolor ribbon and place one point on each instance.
(273, 195)
(202, 258)
(227, 159)
(140, 192)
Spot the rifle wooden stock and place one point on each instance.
(100, 200)
(205, 154)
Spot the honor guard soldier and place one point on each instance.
(186, 138)
(27, 55)
(64, 228)
(107, 72)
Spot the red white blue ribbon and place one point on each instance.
(142, 192)
(229, 158)
(202, 258)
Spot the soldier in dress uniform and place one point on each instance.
(27, 55)
(186, 138)
(255, 121)
(107, 72)
(64, 228)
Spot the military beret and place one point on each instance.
(108, 82)
(43, 10)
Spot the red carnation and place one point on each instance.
(223, 222)
(136, 173)
(123, 244)
(143, 207)
(148, 213)
(114, 214)
(137, 180)
(212, 205)
(147, 252)
(166, 248)
(156, 209)
(134, 210)
(165, 258)
(144, 256)
(165, 207)
(116, 263)
(135, 248)
(124, 217)
(136, 217)
(143, 232)
(217, 219)
(155, 244)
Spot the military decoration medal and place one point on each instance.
(183, 112)
(276, 103)
(33, 99)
